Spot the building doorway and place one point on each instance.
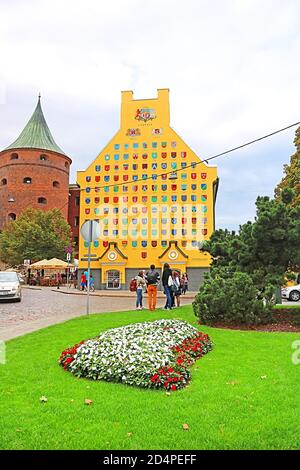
(113, 279)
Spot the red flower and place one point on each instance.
(154, 378)
(173, 387)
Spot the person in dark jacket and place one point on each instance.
(167, 282)
(152, 278)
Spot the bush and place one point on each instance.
(230, 298)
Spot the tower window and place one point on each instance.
(14, 156)
(27, 180)
(4, 182)
(12, 216)
(66, 164)
(56, 184)
(43, 157)
(42, 200)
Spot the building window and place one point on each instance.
(43, 157)
(113, 279)
(56, 184)
(76, 241)
(66, 164)
(27, 180)
(4, 182)
(12, 216)
(42, 200)
(77, 201)
(76, 221)
(14, 156)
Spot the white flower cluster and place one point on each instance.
(133, 353)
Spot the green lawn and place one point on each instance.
(286, 306)
(243, 395)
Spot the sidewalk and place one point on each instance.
(43, 306)
(114, 293)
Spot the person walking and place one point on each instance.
(92, 283)
(140, 287)
(176, 287)
(167, 282)
(58, 280)
(185, 282)
(152, 279)
(83, 282)
(86, 273)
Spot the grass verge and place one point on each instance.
(243, 395)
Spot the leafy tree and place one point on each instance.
(291, 179)
(35, 235)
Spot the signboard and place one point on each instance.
(68, 256)
(26, 262)
(90, 231)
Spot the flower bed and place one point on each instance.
(151, 354)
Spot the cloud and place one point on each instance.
(231, 66)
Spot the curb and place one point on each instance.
(31, 288)
(129, 296)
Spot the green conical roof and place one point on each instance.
(36, 134)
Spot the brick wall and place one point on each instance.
(43, 173)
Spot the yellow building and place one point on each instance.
(153, 196)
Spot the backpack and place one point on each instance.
(133, 285)
(152, 277)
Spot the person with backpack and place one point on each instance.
(167, 282)
(152, 279)
(140, 287)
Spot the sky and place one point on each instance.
(232, 67)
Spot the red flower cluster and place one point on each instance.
(67, 356)
(185, 354)
(169, 378)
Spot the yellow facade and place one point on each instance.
(153, 196)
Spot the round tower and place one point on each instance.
(34, 172)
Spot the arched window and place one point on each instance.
(56, 184)
(27, 180)
(42, 200)
(113, 279)
(43, 157)
(66, 164)
(12, 216)
(14, 156)
(4, 182)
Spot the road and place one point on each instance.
(44, 307)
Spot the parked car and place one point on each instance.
(10, 286)
(291, 293)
